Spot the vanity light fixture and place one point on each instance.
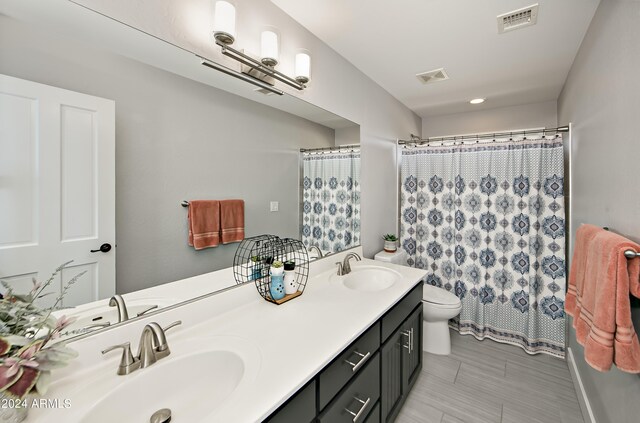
(261, 70)
(477, 101)
(224, 22)
(269, 48)
(303, 67)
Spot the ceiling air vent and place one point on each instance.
(432, 76)
(517, 19)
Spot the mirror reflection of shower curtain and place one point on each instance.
(331, 200)
(487, 222)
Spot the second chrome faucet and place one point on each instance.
(344, 268)
(152, 347)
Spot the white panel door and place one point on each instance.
(57, 189)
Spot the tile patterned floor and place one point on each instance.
(489, 382)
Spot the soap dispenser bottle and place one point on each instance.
(277, 288)
(290, 284)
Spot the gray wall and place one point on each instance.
(485, 119)
(175, 140)
(336, 85)
(601, 98)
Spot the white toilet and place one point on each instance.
(438, 306)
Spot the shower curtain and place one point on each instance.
(487, 222)
(331, 200)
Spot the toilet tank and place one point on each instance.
(397, 257)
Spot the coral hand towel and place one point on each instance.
(204, 224)
(599, 286)
(232, 220)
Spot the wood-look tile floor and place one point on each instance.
(489, 382)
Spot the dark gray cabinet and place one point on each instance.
(374, 416)
(391, 375)
(359, 397)
(336, 375)
(369, 380)
(401, 362)
(301, 408)
(412, 360)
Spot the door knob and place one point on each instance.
(104, 248)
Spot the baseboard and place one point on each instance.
(585, 406)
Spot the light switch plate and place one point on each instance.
(274, 206)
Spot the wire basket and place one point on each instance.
(253, 260)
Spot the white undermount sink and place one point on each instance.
(190, 386)
(369, 278)
(196, 382)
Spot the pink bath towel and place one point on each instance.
(600, 282)
(232, 220)
(584, 237)
(204, 223)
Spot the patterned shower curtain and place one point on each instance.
(487, 222)
(331, 200)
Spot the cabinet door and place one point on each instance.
(299, 409)
(391, 376)
(412, 356)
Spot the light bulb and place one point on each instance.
(224, 22)
(269, 48)
(303, 67)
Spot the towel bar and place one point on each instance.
(184, 203)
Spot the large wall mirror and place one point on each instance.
(330, 192)
(182, 132)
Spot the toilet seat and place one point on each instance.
(439, 297)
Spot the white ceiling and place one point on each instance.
(391, 41)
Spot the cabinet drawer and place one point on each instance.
(374, 416)
(400, 311)
(348, 364)
(359, 397)
(300, 408)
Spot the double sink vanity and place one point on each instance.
(348, 349)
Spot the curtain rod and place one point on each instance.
(420, 141)
(335, 147)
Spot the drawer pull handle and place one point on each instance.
(412, 341)
(357, 415)
(363, 359)
(407, 333)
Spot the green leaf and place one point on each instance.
(42, 385)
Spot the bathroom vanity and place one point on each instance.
(371, 378)
(345, 350)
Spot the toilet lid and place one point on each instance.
(435, 295)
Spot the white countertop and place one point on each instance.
(294, 340)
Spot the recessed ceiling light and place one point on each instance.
(477, 101)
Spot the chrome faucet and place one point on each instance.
(153, 344)
(152, 347)
(320, 255)
(118, 301)
(344, 268)
(145, 311)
